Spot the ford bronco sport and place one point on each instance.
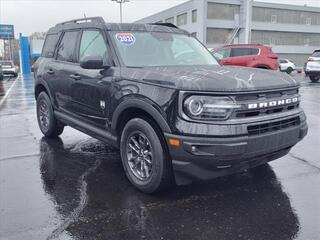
(156, 93)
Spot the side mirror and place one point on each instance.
(92, 62)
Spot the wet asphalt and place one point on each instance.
(75, 188)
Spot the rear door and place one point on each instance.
(90, 92)
(60, 70)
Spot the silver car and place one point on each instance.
(9, 68)
(312, 67)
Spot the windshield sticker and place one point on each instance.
(125, 38)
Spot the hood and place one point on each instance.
(211, 78)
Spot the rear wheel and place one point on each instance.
(289, 70)
(314, 79)
(144, 157)
(48, 124)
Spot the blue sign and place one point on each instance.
(6, 31)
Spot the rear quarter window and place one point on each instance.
(49, 45)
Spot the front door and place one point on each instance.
(90, 90)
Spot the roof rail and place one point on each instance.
(83, 20)
(165, 24)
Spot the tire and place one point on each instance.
(314, 79)
(154, 164)
(48, 124)
(289, 70)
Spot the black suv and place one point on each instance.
(156, 93)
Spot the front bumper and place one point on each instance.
(312, 73)
(203, 158)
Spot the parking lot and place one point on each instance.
(75, 187)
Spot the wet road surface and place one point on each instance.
(75, 188)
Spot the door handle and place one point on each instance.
(75, 76)
(50, 71)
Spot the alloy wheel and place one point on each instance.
(139, 155)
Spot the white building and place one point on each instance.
(293, 31)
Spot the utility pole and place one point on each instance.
(120, 3)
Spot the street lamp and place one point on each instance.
(120, 2)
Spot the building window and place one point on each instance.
(170, 20)
(274, 18)
(182, 19)
(194, 15)
(308, 21)
(217, 35)
(263, 14)
(222, 11)
(285, 38)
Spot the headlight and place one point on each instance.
(208, 108)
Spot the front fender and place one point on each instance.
(143, 104)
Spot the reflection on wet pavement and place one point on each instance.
(75, 188)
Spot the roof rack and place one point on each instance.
(83, 20)
(165, 24)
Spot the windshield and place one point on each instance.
(316, 54)
(153, 49)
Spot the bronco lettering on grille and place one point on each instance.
(273, 103)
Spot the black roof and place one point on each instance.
(98, 22)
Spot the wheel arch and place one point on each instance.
(131, 108)
(41, 87)
(262, 66)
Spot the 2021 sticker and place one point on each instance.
(125, 38)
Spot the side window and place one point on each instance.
(283, 61)
(237, 52)
(93, 44)
(224, 53)
(66, 49)
(49, 45)
(255, 51)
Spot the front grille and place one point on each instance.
(258, 97)
(266, 111)
(272, 126)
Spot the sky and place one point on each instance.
(30, 16)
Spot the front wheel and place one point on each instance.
(144, 157)
(314, 79)
(47, 122)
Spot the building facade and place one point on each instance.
(293, 31)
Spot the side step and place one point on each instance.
(86, 128)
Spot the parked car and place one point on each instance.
(247, 55)
(312, 67)
(9, 68)
(1, 73)
(157, 94)
(287, 66)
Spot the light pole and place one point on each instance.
(120, 2)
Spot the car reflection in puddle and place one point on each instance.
(89, 188)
